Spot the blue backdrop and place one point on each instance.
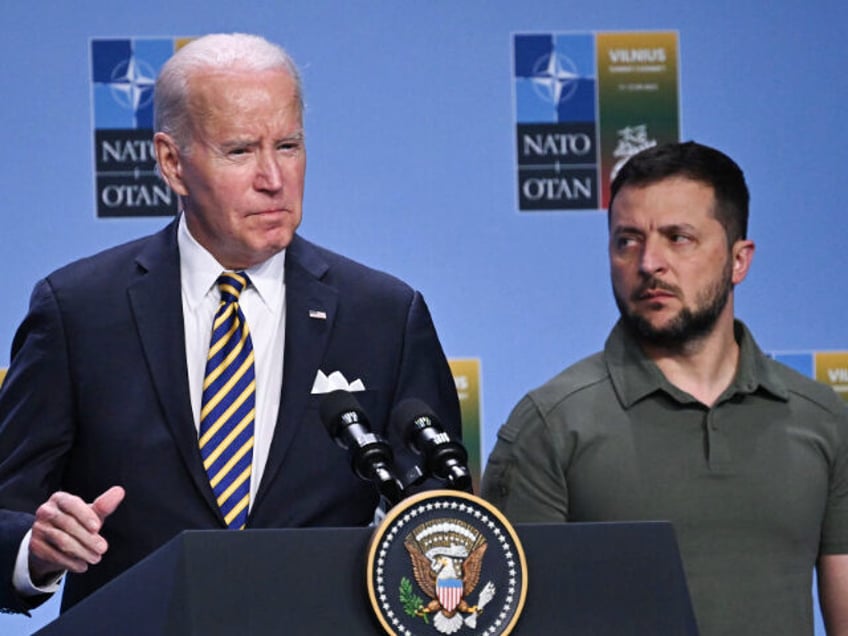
(410, 133)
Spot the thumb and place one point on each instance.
(108, 502)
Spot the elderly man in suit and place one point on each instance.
(119, 426)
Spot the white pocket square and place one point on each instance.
(327, 383)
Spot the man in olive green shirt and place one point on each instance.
(682, 417)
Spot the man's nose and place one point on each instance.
(269, 173)
(653, 258)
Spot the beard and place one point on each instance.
(690, 323)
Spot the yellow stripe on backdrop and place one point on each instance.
(831, 367)
(466, 374)
(2, 376)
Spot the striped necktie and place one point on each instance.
(228, 406)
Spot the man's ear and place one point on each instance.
(169, 159)
(742, 254)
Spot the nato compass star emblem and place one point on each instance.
(123, 83)
(554, 77)
(446, 562)
(132, 83)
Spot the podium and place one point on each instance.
(583, 579)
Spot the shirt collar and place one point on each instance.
(199, 271)
(755, 372)
(635, 376)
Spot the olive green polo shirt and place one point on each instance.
(756, 486)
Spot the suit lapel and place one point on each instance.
(156, 303)
(310, 312)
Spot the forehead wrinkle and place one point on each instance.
(246, 93)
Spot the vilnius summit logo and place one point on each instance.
(123, 73)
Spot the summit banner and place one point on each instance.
(828, 367)
(584, 104)
(123, 77)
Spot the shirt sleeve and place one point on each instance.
(524, 475)
(21, 579)
(834, 538)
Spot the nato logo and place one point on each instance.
(123, 75)
(556, 130)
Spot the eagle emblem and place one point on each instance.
(447, 558)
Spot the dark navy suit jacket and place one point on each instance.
(97, 395)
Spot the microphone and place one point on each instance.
(423, 434)
(370, 456)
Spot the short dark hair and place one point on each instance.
(699, 163)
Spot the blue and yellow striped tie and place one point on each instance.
(228, 407)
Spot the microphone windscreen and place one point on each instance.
(334, 405)
(407, 412)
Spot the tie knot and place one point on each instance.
(231, 284)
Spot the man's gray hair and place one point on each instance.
(218, 51)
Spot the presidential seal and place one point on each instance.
(446, 562)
